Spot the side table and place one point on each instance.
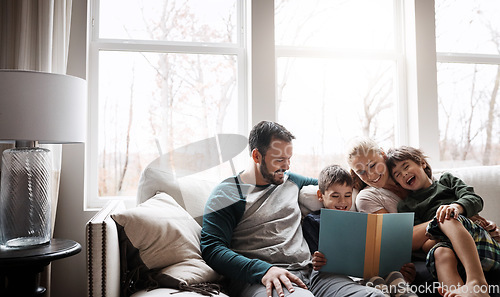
(20, 268)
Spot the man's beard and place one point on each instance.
(270, 177)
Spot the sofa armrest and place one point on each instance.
(103, 252)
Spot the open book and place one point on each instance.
(364, 245)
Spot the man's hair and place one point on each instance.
(264, 132)
(407, 153)
(334, 174)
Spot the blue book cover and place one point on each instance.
(364, 245)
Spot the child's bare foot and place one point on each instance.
(472, 289)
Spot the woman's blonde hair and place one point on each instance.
(360, 146)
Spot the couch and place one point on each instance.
(160, 186)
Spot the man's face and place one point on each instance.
(276, 161)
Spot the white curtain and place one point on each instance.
(34, 35)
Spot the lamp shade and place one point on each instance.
(43, 107)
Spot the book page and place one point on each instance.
(395, 245)
(342, 240)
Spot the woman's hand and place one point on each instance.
(409, 272)
(488, 225)
(318, 260)
(479, 220)
(448, 211)
(494, 231)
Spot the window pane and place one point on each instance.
(180, 20)
(340, 24)
(326, 103)
(469, 124)
(153, 102)
(471, 26)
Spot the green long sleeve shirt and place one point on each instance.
(447, 190)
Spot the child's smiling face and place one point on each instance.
(411, 175)
(337, 197)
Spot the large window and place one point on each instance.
(337, 75)
(468, 55)
(164, 74)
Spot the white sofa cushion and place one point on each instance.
(191, 192)
(486, 183)
(165, 292)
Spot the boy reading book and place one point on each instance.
(443, 207)
(335, 192)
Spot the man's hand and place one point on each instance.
(277, 277)
(318, 260)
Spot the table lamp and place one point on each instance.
(35, 108)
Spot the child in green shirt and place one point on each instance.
(443, 207)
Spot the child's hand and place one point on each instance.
(318, 260)
(409, 272)
(446, 212)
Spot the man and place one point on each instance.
(252, 227)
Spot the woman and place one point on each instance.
(378, 191)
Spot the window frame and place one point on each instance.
(464, 59)
(95, 45)
(397, 56)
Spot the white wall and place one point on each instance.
(69, 276)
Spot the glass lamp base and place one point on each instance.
(25, 197)
(25, 241)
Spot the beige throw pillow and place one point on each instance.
(166, 237)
